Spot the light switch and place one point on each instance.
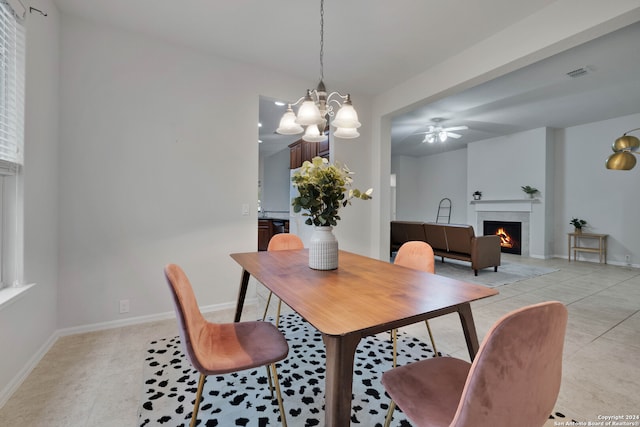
(245, 209)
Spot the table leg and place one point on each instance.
(244, 284)
(469, 329)
(339, 380)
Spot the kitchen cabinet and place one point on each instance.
(267, 228)
(323, 149)
(264, 234)
(303, 150)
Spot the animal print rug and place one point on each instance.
(243, 399)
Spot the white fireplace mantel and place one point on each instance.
(504, 205)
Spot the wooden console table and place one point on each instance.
(601, 250)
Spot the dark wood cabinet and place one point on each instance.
(295, 155)
(269, 227)
(303, 150)
(264, 234)
(323, 148)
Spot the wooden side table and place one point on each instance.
(601, 250)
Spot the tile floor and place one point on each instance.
(95, 379)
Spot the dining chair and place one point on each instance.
(418, 256)
(222, 348)
(513, 380)
(281, 242)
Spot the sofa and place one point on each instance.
(455, 241)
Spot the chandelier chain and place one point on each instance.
(321, 40)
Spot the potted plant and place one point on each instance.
(477, 195)
(578, 224)
(322, 190)
(531, 191)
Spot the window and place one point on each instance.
(12, 77)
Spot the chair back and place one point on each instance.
(416, 255)
(515, 376)
(284, 241)
(190, 319)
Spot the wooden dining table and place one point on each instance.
(362, 297)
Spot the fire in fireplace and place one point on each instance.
(510, 233)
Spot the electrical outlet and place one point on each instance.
(124, 306)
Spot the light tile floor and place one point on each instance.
(95, 379)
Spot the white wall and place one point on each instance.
(27, 324)
(499, 167)
(607, 199)
(275, 182)
(354, 229)
(158, 155)
(423, 182)
(407, 170)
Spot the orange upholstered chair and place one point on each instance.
(513, 380)
(281, 242)
(419, 256)
(222, 348)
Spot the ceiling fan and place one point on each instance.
(437, 132)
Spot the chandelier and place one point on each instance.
(623, 150)
(317, 108)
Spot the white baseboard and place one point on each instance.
(18, 379)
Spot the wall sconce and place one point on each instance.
(624, 149)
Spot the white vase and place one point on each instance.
(323, 249)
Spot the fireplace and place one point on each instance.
(510, 233)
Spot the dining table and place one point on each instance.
(362, 297)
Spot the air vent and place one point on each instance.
(578, 72)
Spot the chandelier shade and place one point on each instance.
(624, 149)
(346, 133)
(317, 108)
(309, 113)
(313, 134)
(288, 125)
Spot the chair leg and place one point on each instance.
(394, 337)
(194, 416)
(266, 308)
(278, 313)
(433, 343)
(270, 381)
(279, 394)
(392, 407)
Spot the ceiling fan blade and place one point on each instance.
(457, 128)
(454, 135)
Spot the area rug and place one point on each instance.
(243, 399)
(508, 272)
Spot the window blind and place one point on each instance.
(12, 63)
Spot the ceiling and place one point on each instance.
(540, 95)
(398, 40)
